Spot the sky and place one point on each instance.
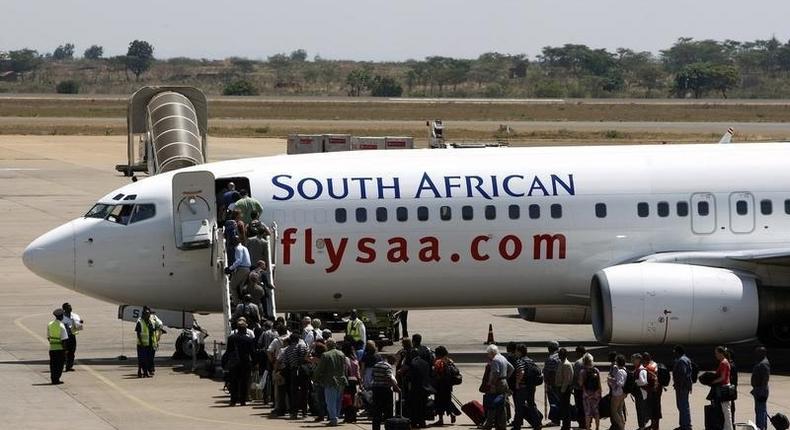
(381, 30)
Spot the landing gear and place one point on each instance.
(191, 343)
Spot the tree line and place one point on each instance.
(688, 69)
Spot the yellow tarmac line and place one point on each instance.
(121, 391)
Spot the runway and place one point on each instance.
(47, 180)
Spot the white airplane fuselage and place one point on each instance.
(463, 228)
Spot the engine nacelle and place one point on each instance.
(557, 314)
(658, 303)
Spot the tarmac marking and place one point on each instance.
(123, 392)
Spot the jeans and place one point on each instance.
(519, 407)
(333, 398)
(761, 414)
(382, 406)
(552, 394)
(684, 412)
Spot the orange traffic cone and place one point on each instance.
(490, 339)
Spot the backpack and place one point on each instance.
(453, 375)
(532, 374)
(630, 386)
(664, 376)
(592, 380)
(780, 422)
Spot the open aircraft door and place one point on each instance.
(194, 210)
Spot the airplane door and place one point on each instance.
(194, 209)
(703, 213)
(742, 212)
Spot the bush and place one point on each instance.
(67, 87)
(240, 88)
(385, 87)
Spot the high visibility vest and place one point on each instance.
(53, 333)
(354, 329)
(144, 339)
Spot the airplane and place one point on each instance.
(661, 243)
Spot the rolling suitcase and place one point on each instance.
(399, 422)
(474, 410)
(714, 417)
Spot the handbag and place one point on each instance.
(727, 393)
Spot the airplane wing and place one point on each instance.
(771, 256)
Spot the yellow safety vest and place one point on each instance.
(144, 339)
(354, 329)
(53, 333)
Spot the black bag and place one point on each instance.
(592, 380)
(395, 423)
(694, 372)
(454, 376)
(726, 393)
(707, 378)
(780, 422)
(605, 406)
(664, 376)
(533, 375)
(630, 386)
(714, 417)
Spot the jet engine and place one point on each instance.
(557, 314)
(658, 303)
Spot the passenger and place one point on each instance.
(268, 334)
(683, 383)
(309, 333)
(73, 324)
(550, 367)
(420, 361)
(230, 195)
(317, 402)
(58, 336)
(356, 329)
(230, 233)
(721, 380)
(384, 384)
(370, 356)
(248, 205)
(266, 290)
(446, 375)
(494, 400)
(331, 375)
(654, 391)
(590, 383)
(510, 356)
(241, 348)
(528, 376)
(239, 270)
(279, 370)
(640, 396)
(255, 289)
(616, 381)
(249, 311)
(354, 376)
(578, 390)
(241, 226)
(255, 243)
(326, 334)
(402, 374)
(296, 354)
(145, 340)
(564, 386)
(761, 373)
(730, 354)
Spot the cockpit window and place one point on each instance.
(142, 212)
(120, 214)
(99, 211)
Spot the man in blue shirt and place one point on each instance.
(682, 381)
(239, 270)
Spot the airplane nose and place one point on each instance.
(52, 256)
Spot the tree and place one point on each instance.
(93, 53)
(700, 78)
(139, 57)
(687, 51)
(67, 87)
(64, 52)
(358, 80)
(24, 60)
(299, 55)
(385, 86)
(240, 88)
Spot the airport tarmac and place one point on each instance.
(47, 180)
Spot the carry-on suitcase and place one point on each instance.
(398, 422)
(714, 417)
(474, 410)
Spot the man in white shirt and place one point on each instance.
(73, 324)
(640, 398)
(309, 333)
(239, 270)
(616, 380)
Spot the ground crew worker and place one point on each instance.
(57, 336)
(73, 324)
(356, 330)
(145, 342)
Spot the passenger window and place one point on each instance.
(361, 215)
(142, 212)
(643, 210)
(766, 207)
(663, 209)
(703, 208)
(787, 206)
(534, 211)
(600, 210)
(340, 215)
(422, 213)
(556, 211)
(402, 214)
(741, 207)
(445, 213)
(514, 211)
(490, 212)
(467, 213)
(682, 209)
(120, 214)
(381, 214)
